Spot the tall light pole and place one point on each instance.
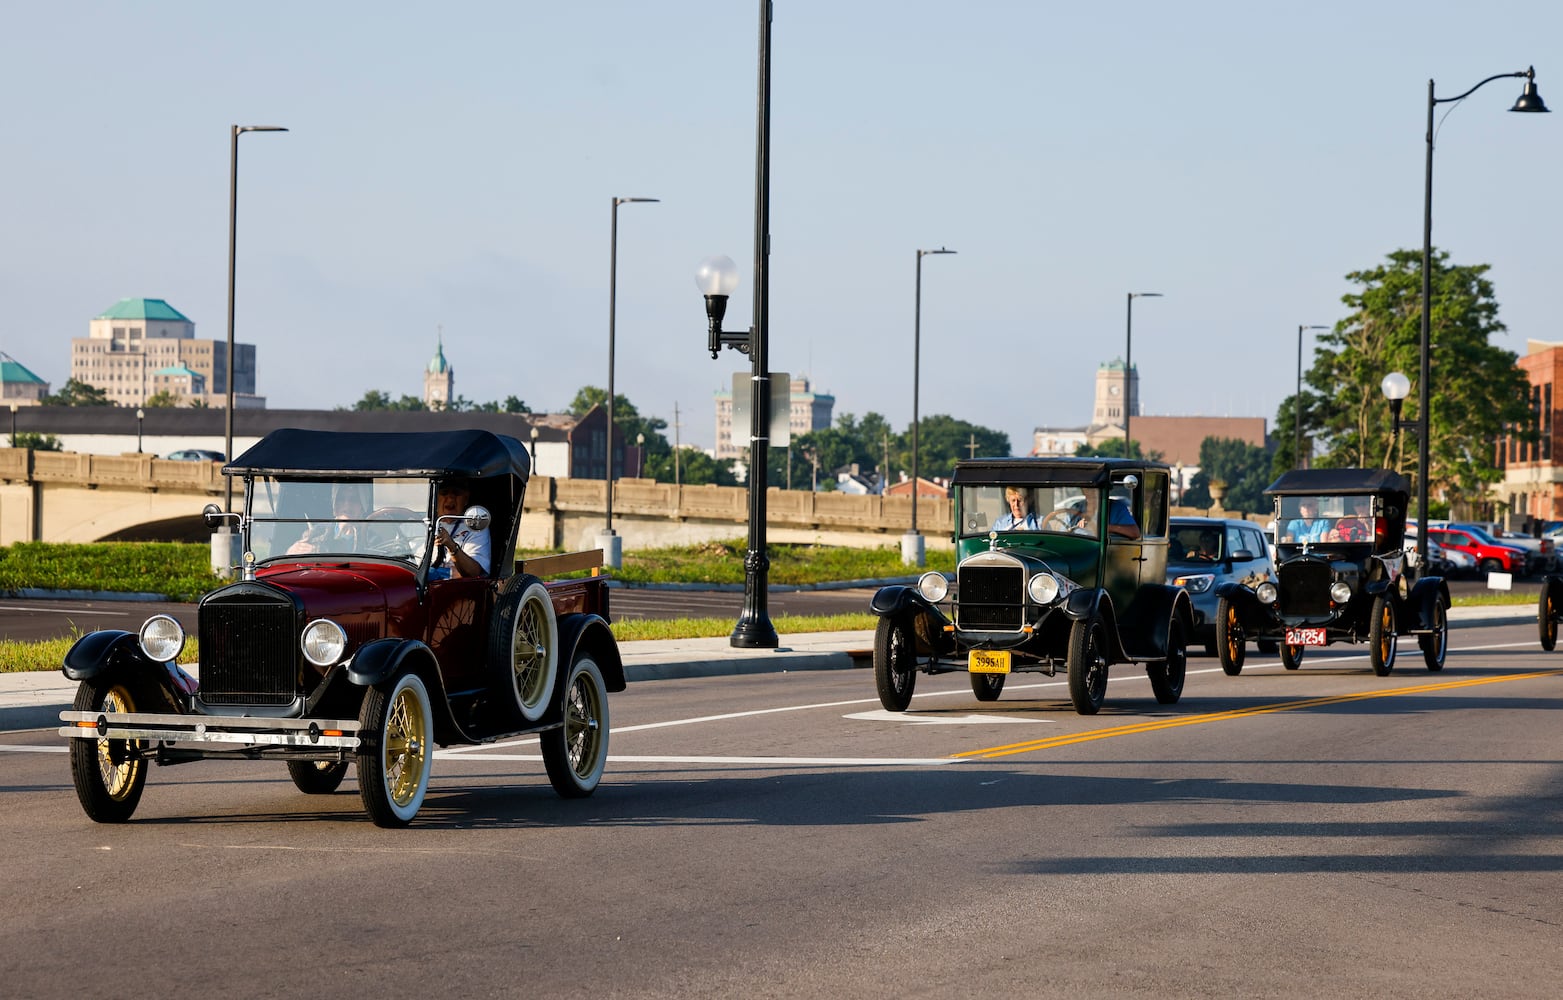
(716, 278)
(1297, 403)
(141, 415)
(534, 451)
(1529, 101)
(912, 543)
(1128, 363)
(233, 232)
(613, 553)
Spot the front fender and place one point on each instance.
(891, 601)
(1249, 609)
(96, 652)
(378, 659)
(1147, 621)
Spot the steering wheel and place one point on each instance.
(396, 543)
(1058, 520)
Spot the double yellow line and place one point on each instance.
(1134, 729)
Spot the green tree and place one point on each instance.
(37, 442)
(1478, 392)
(1244, 467)
(78, 393)
(163, 399)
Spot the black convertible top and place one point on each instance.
(1332, 481)
(1031, 470)
(472, 454)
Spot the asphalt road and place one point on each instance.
(1318, 833)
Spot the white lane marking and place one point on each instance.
(935, 720)
(22, 749)
(761, 761)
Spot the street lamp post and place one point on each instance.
(140, 416)
(1297, 404)
(912, 553)
(716, 278)
(233, 230)
(1396, 387)
(1528, 101)
(534, 451)
(13, 425)
(1128, 363)
(640, 455)
(613, 553)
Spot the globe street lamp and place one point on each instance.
(612, 552)
(140, 416)
(233, 229)
(912, 543)
(1529, 101)
(1297, 460)
(640, 455)
(717, 277)
(1128, 364)
(1396, 387)
(534, 450)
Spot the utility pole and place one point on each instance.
(676, 426)
(884, 473)
(971, 447)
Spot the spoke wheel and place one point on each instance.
(1381, 637)
(1436, 645)
(1087, 665)
(394, 763)
(523, 642)
(576, 753)
(1547, 614)
(987, 687)
(109, 774)
(1167, 676)
(895, 662)
(317, 777)
(1231, 646)
(1292, 656)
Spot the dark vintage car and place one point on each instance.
(1205, 552)
(343, 643)
(1343, 575)
(1061, 564)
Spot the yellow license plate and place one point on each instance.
(989, 661)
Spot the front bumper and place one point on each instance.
(238, 732)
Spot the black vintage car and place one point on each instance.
(1061, 564)
(1342, 575)
(348, 640)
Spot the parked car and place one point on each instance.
(1205, 552)
(344, 642)
(1342, 575)
(196, 455)
(1447, 563)
(1542, 552)
(1491, 555)
(1060, 565)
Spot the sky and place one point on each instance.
(449, 172)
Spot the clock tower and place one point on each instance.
(1116, 391)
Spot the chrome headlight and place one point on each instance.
(323, 642)
(1196, 583)
(162, 639)
(1340, 592)
(933, 587)
(1265, 592)
(1043, 588)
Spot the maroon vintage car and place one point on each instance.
(348, 637)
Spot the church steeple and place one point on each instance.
(439, 378)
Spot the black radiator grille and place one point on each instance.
(249, 652)
(990, 597)
(1305, 588)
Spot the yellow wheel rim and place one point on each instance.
(115, 767)
(406, 747)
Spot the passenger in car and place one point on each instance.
(459, 551)
(349, 505)
(1358, 527)
(1308, 526)
(1209, 547)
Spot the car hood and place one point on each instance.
(342, 590)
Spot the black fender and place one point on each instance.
(379, 659)
(589, 632)
(1089, 601)
(897, 598)
(97, 654)
(1423, 593)
(1251, 614)
(1149, 619)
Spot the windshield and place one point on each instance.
(1348, 517)
(1059, 509)
(386, 517)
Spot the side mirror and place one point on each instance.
(478, 518)
(1242, 555)
(212, 515)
